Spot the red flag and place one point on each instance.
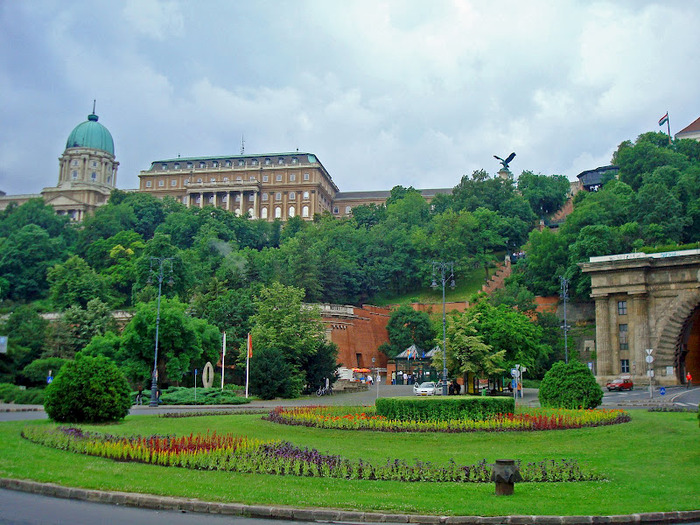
(250, 346)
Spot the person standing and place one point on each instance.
(688, 380)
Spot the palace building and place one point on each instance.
(270, 186)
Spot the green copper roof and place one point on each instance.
(91, 134)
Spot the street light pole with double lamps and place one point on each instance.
(159, 273)
(446, 272)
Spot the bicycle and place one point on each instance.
(324, 391)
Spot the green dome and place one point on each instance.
(91, 134)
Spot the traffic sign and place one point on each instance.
(649, 351)
(49, 379)
(662, 391)
(649, 359)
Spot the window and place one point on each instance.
(251, 213)
(348, 209)
(306, 195)
(212, 179)
(305, 211)
(266, 178)
(624, 344)
(94, 164)
(198, 199)
(306, 176)
(199, 179)
(295, 160)
(238, 197)
(278, 178)
(263, 213)
(280, 161)
(254, 162)
(211, 199)
(161, 183)
(239, 179)
(241, 162)
(93, 175)
(189, 165)
(622, 308)
(224, 198)
(228, 163)
(251, 177)
(164, 167)
(335, 210)
(278, 212)
(624, 366)
(74, 174)
(148, 183)
(187, 181)
(292, 195)
(225, 179)
(278, 196)
(202, 164)
(177, 165)
(251, 197)
(184, 200)
(267, 162)
(358, 356)
(173, 182)
(292, 211)
(74, 163)
(264, 197)
(215, 164)
(109, 180)
(292, 177)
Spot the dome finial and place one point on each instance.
(94, 101)
(92, 117)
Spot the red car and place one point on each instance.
(620, 384)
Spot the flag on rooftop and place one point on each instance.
(663, 119)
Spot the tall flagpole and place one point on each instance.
(668, 125)
(248, 351)
(223, 355)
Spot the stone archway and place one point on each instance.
(687, 355)
(647, 301)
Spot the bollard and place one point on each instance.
(505, 473)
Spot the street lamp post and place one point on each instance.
(446, 272)
(565, 295)
(159, 273)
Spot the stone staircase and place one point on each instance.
(498, 279)
(560, 215)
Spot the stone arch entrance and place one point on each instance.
(647, 302)
(687, 353)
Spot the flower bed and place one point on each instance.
(366, 418)
(227, 452)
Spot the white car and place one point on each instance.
(425, 389)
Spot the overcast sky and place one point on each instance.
(415, 92)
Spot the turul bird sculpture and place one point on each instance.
(507, 160)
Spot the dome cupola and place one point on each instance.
(91, 134)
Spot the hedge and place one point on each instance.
(443, 408)
(10, 393)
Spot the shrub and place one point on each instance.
(570, 385)
(88, 390)
(10, 393)
(38, 370)
(443, 408)
(205, 396)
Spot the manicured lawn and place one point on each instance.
(651, 464)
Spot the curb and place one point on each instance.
(148, 501)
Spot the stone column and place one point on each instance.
(603, 354)
(256, 212)
(201, 199)
(639, 332)
(228, 201)
(614, 329)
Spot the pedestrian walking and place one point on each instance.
(688, 380)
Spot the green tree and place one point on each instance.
(466, 350)
(184, 343)
(284, 326)
(408, 327)
(74, 283)
(26, 331)
(27, 254)
(546, 194)
(571, 386)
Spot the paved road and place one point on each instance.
(21, 508)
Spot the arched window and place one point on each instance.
(278, 212)
(292, 211)
(251, 213)
(305, 211)
(263, 213)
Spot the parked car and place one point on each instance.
(620, 384)
(425, 389)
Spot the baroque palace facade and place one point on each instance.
(271, 186)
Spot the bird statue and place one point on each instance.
(507, 161)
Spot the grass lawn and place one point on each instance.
(651, 464)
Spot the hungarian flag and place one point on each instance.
(663, 119)
(250, 345)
